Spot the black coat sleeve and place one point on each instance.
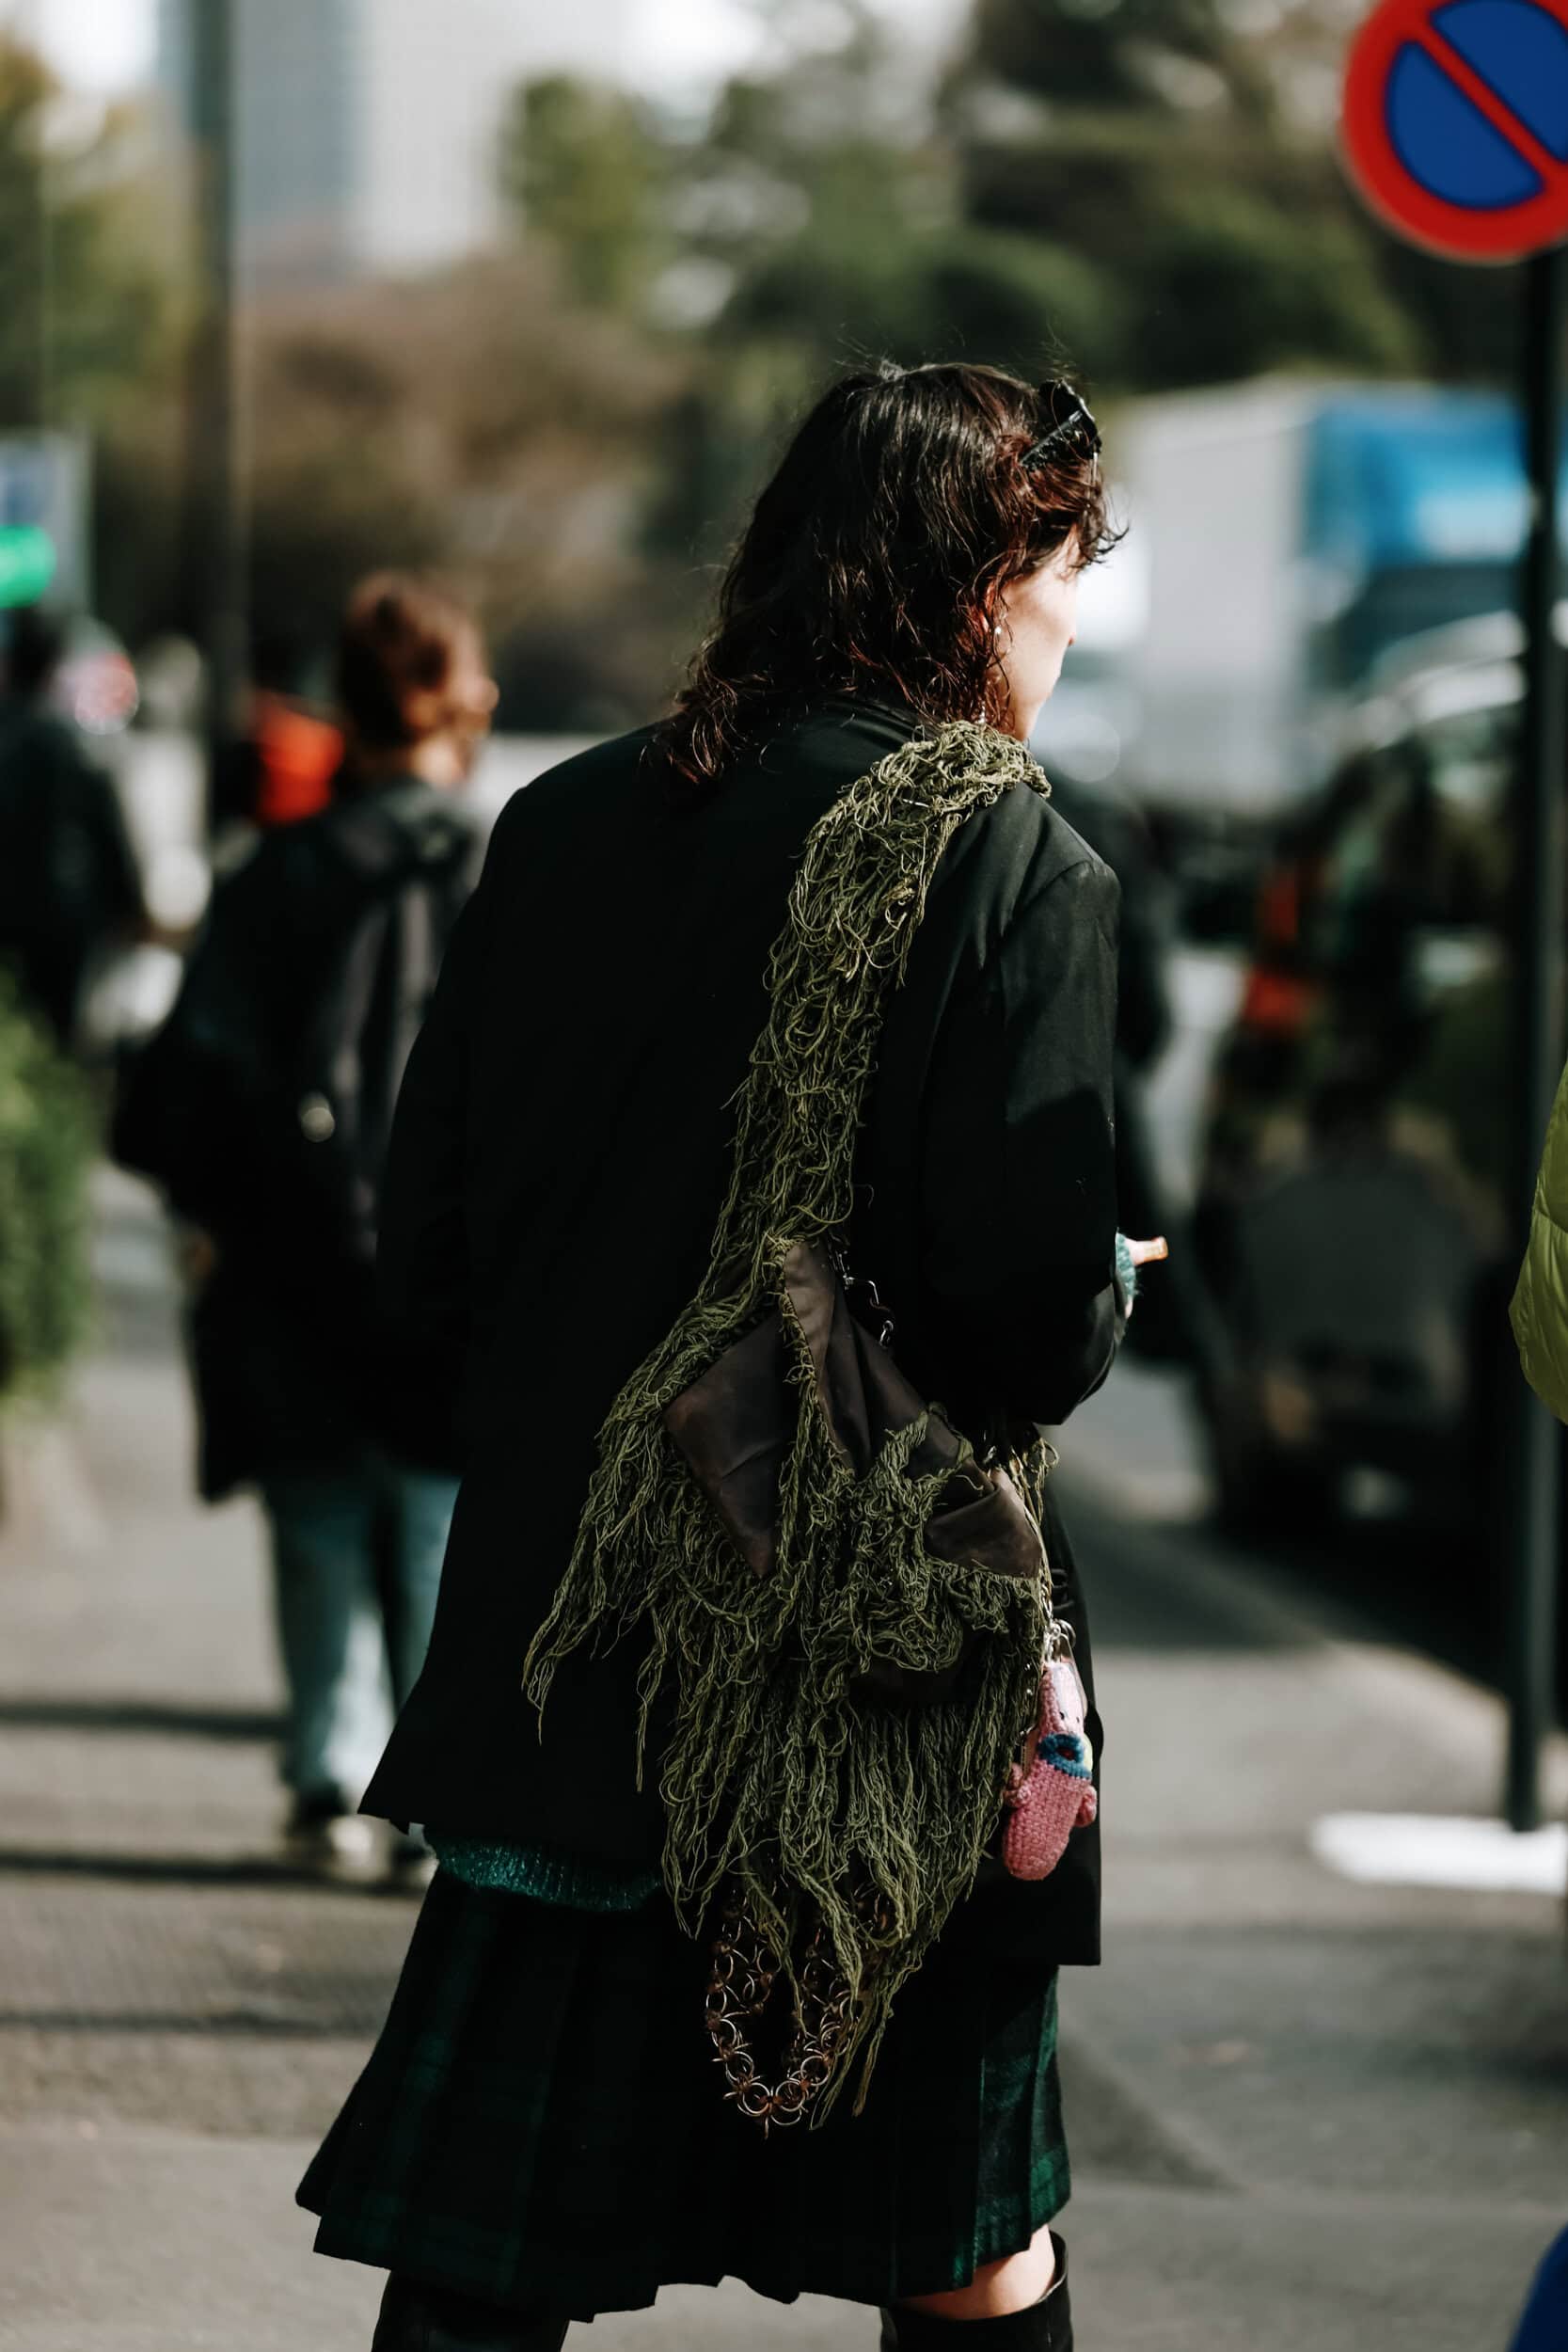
(1018, 1207)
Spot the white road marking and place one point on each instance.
(1424, 1850)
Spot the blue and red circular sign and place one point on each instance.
(1456, 123)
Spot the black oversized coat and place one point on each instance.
(559, 1157)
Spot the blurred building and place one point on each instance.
(296, 145)
(366, 129)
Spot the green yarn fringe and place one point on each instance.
(777, 1767)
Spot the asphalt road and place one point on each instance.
(1305, 2112)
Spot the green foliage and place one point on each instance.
(817, 216)
(47, 1142)
(1121, 54)
(90, 317)
(585, 169)
(843, 287)
(829, 198)
(1233, 285)
(86, 310)
(1184, 148)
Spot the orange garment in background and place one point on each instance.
(296, 759)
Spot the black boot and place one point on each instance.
(430, 2319)
(1046, 2327)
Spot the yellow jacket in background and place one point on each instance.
(1540, 1309)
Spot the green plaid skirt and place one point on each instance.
(541, 2122)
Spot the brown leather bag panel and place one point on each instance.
(735, 1426)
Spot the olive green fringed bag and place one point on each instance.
(822, 1814)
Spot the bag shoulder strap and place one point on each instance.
(872, 1818)
(857, 899)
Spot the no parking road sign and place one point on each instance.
(1456, 123)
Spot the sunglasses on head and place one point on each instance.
(1071, 427)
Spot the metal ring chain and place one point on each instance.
(741, 1985)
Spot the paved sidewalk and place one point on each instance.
(1304, 2113)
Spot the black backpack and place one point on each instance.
(266, 1101)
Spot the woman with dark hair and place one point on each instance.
(809, 973)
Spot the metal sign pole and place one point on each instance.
(221, 566)
(1542, 868)
(1449, 195)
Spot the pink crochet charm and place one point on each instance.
(1052, 1794)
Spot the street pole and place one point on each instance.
(1541, 865)
(218, 572)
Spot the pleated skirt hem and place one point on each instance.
(540, 2123)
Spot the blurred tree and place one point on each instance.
(827, 196)
(87, 315)
(1126, 54)
(1184, 146)
(1187, 149)
(815, 211)
(91, 306)
(486, 424)
(585, 169)
(816, 217)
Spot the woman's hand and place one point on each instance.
(1131, 1256)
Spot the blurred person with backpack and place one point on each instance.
(262, 1109)
(69, 886)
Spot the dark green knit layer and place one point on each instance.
(776, 1766)
(544, 1877)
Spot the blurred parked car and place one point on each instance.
(1351, 1207)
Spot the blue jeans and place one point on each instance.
(356, 1562)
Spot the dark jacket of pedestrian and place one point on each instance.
(264, 1110)
(70, 885)
(267, 1106)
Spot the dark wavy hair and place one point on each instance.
(875, 555)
